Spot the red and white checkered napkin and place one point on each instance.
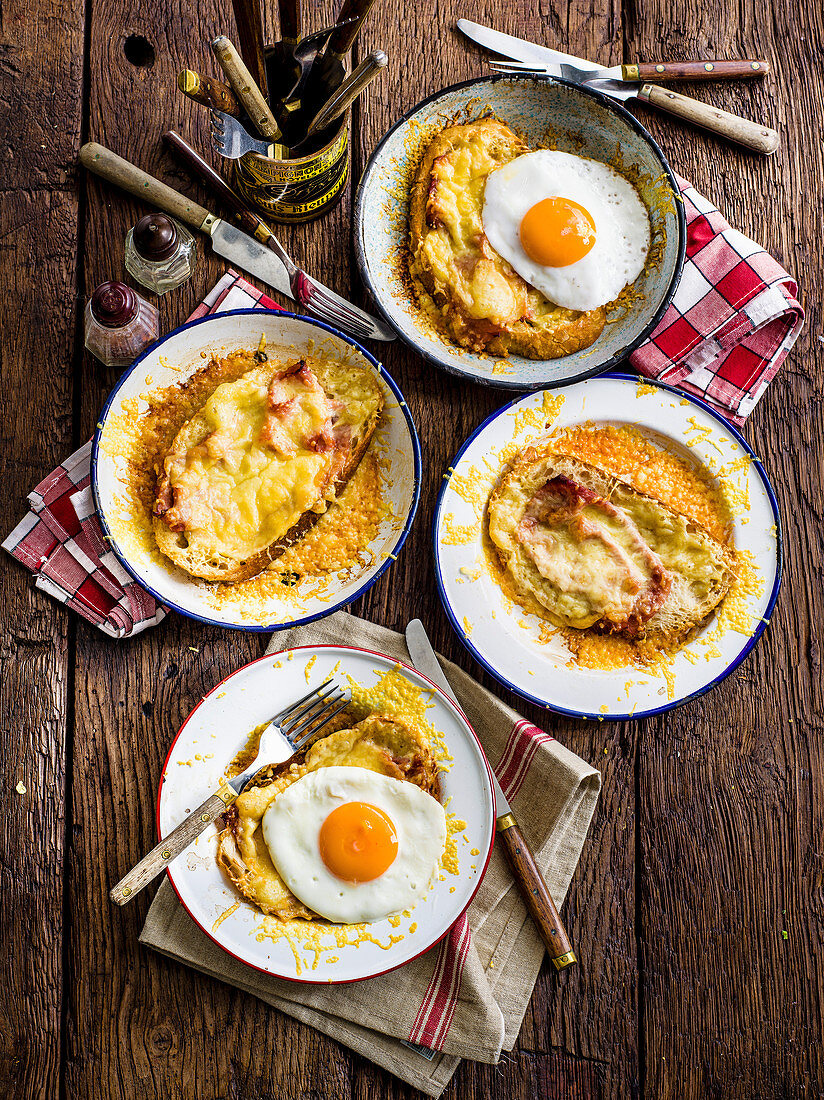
(61, 541)
(732, 321)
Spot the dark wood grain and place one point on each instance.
(40, 82)
(706, 845)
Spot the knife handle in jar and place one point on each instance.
(694, 70)
(341, 41)
(250, 223)
(103, 162)
(535, 893)
(244, 86)
(209, 92)
(741, 130)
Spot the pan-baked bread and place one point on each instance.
(257, 465)
(470, 292)
(588, 551)
(379, 743)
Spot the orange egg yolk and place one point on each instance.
(557, 232)
(358, 842)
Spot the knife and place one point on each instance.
(233, 245)
(347, 93)
(613, 83)
(521, 860)
(209, 92)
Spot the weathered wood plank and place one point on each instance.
(730, 811)
(40, 81)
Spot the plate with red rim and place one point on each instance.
(219, 727)
(509, 642)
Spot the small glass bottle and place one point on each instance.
(119, 324)
(160, 254)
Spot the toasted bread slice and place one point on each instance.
(379, 743)
(467, 289)
(256, 467)
(585, 550)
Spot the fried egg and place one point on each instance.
(573, 228)
(353, 845)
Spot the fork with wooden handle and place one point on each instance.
(287, 732)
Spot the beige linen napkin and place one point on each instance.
(468, 995)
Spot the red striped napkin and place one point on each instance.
(466, 997)
(60, 539)
(734, 317)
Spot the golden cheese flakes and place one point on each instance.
(313, 939)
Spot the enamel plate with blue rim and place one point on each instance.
(510, 642)
(170, 362)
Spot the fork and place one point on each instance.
(291, 729)
(311, 295)
(232, 140)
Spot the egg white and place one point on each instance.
(622, 229)
(291, 828)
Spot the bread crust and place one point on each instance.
(168, 539)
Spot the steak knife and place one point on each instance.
(622, 82)
(519, 856)
(233, 245)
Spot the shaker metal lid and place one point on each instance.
(155, 237)
(114, 304)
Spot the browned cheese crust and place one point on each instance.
(470, 293)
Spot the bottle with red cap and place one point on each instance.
(119, 324)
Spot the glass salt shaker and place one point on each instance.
(160, 253)
(119, 324)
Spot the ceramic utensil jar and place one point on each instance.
(160, 254)
(119, 324)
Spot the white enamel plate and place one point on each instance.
(171, 361)
(212, 735)
(506, 639)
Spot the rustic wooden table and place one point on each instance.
(697, 909)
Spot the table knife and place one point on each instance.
(521, 860)
(607, 81)
(209, 92)
(233, 245)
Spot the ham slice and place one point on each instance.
(583, 544)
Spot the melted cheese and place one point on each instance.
(238, 492)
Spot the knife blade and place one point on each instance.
(576, 70)
(532, 53)
(227, 241)
(521, 860)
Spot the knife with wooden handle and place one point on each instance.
(245, 88)
(250, 37)
(348, 92)
(209, 92)
(752, 135)
(522, 863)
(664, 71)
(248, 221)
